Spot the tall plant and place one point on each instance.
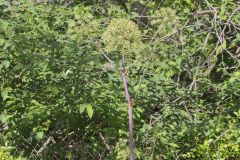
(123, 36)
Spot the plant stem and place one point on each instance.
(130, 115)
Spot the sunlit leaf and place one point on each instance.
(89, 110)
(4, 92)
(39, 135)
(82, 108)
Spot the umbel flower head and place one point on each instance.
(167, 21)
(122, 35)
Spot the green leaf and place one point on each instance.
(4, 92)
(188, 1)
(222, 14)
(235, 76)
(39, 135)
(89, 110)
(37, 103)
(173, 145)
(1, 42)
(6, 64)
(53, 89)
(1, 66)
(222, 47)
(219, 50)
(3, 118)
(163, 140)
(82, 108)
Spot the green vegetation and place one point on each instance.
(5, 155)
(61, 94)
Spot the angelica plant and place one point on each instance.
(123, 36)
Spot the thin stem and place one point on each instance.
(130, 115)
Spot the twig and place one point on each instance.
(104, 142)
(216, 9)
(44, 145)
(106, 57)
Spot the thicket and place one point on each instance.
(62, 95)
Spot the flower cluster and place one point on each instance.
(122, 35)
(165, 21)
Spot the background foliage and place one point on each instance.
(61, 98)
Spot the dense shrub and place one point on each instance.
(62, 96)
(6, 155)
